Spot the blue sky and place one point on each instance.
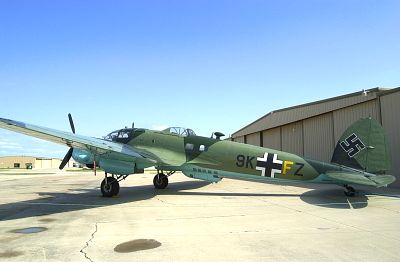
(208, 65)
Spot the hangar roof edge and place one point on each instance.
(363, 96)
(36, 157)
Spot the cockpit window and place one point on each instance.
(122, 136)
(112, 136)
(180, 131)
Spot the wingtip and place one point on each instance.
(12, 122)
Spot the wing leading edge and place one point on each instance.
(95, 145)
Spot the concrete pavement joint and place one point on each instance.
(204, 217)
(60, 204)
(87, 245)
(324, 218)
(390, 210)
(162, 201)
(338, 222)
(140, 218)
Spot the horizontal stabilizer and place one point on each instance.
(360, 179)
(383, 180)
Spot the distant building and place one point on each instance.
(29, 162)
(312, 130)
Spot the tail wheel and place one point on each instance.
(350, 191)
(109, 187)
(160, 181)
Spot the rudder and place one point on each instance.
(363, 146)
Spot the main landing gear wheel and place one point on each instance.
(160, 181)
(350, 191)
(109, 187)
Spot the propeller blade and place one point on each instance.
(71, 123)
(66, 158)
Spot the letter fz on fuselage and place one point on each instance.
(269, 165)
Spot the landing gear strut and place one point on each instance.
(160, 180)
(350, 191)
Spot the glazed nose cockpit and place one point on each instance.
(121, 136)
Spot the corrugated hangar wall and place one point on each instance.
(390, 109)
(316, 137)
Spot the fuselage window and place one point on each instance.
(202, 148)
(189, 146)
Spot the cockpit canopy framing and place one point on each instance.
(181, 131)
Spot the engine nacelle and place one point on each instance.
(119, 167)
(83, 156)
(111, 166)
(91, 166)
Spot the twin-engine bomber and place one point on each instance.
(360, 157)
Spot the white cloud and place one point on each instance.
(23, 145)
(9, 145)
(4, 133)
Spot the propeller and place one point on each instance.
(71, 149)
(69, 153)
(71, 123)
(66, 158)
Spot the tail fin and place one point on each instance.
(363, 146)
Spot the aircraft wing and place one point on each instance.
(95, 145)
(360, 179)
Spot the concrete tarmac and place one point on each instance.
(62, 217)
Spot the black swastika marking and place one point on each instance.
(352, 145)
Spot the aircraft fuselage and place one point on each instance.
(211, 159)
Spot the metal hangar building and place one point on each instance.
(30, 162)
(312, 130)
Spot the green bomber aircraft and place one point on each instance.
(360, 157)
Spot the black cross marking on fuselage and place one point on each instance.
(352, 145)
(267, 165)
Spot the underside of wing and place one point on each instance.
(361, 179)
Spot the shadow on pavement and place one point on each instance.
(54, 203)
(335, 198)
(323, 197)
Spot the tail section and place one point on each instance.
(363, 146)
